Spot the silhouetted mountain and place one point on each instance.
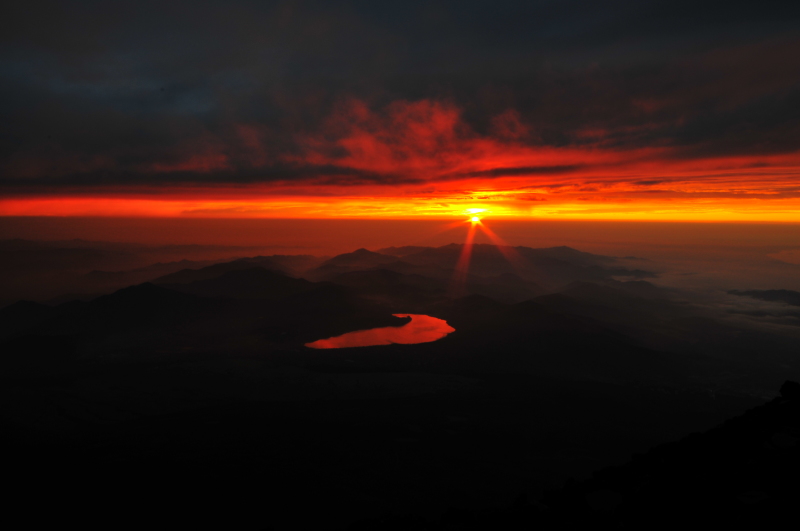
(296, 265)
(98, 278)
(429, 271)
(642, 288)
(185, 276)
(28, 256)
(252, 283)
(568, 254)
(254, 309)
(414, 290)
(547, 267)
(403, 292)
(357, 260)
(145, 305)
(45, 270)
(447, 256)
(402, 251)
(611, 318)
(610, 295)
(72, 297)
(360, 258)
(530, 337)
(202, 391)
(493, 270)
(524, 338)
(507, 287)
(786, 296)
(327, 310)
(655, 320)
(630, 306)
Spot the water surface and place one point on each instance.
(421, 329)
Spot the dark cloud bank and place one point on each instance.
(96, 92)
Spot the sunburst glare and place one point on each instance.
(461, 273)
(462, 266)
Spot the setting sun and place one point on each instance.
(475, 219)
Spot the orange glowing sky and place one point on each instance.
(421, 160)
(376, 110)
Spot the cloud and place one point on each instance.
(697, 100)
(789, 256)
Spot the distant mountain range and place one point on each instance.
(561, 362)
(556, 310)
(59, 271)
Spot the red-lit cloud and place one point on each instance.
(315, 109)
(416, 142)
(421, 158)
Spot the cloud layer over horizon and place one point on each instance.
(617, 101)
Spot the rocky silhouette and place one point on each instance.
(191, 398)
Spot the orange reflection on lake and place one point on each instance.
(421, 329)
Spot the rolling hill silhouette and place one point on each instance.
(358, 260)
(185, 276)
(561, 363)
(251, 283)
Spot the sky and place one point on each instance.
(616, 110)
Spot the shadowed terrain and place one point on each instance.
(561, 363)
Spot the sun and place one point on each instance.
(473, 214)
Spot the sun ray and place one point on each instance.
(462, 266)
(446, 228)
(514, 258)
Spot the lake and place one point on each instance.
(421, 329)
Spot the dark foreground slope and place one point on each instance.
(195, 404)
(281, 448)
(156, 405)
(742, 473)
